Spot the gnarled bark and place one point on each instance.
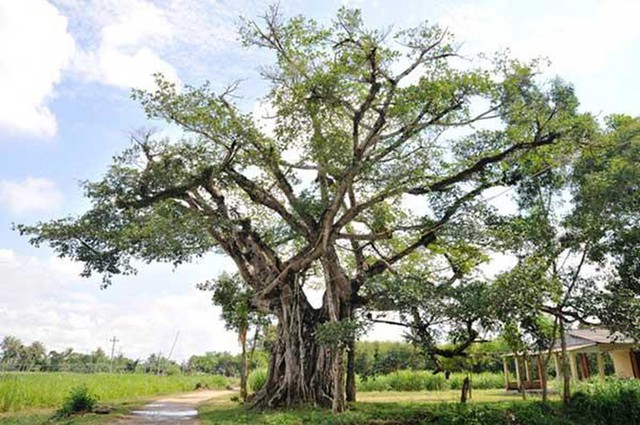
(300, 370)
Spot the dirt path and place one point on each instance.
(180, 409)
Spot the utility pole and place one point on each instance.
(173, 346)
(113, 348)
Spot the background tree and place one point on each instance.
(607, 205)
(12, 351)
(549, 277)
(440, 296)
(566, 248)
(368, 114)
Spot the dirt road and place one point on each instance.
(179, 409)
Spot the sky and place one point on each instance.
(66, 71)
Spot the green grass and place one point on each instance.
(522, 413)
(412, 380)
(613, 402)
(445, 396)
(610, 401)
(256, 379)
(47, 416)
(19, 391)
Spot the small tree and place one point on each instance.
(440, 299)
(234, 297)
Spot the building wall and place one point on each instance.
(622, 363)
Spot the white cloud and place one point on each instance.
(7, 256)
(29, 195)
(126, 55)
(576, 37)
(44, 300)
(34, 49)
(122, 42)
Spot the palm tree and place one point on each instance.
(36, 354)
(12, 350)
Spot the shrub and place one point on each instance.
(79, 400)
(409, 380)
(256, 379)
(610, 402)
(479, 381)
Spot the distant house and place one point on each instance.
(582, 344)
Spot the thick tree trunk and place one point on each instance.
(300, 370)
(351, 371)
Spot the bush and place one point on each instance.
(256, 379)
(409, 380)
(479, 381)
(610, 402)
(79, 400)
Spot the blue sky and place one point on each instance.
(66, 70)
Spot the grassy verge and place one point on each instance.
(20, 391)
(46, 416)
(507, 413)
(613, 402)
(447, 396)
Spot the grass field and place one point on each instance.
(486, 407)
(19, 391)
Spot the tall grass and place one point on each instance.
(408, 380)
(19, 391)
(612, 401)
(256, 379)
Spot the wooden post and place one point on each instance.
(466, 389)
(584, 366)
(601, 365)
(574, 367)
(527, 372)
(518, 372)
(634, 364)
(556, 362)
(505, 368)
(540, 367)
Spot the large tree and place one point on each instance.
(366, 123)
(607, 208)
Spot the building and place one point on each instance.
(527, 368)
